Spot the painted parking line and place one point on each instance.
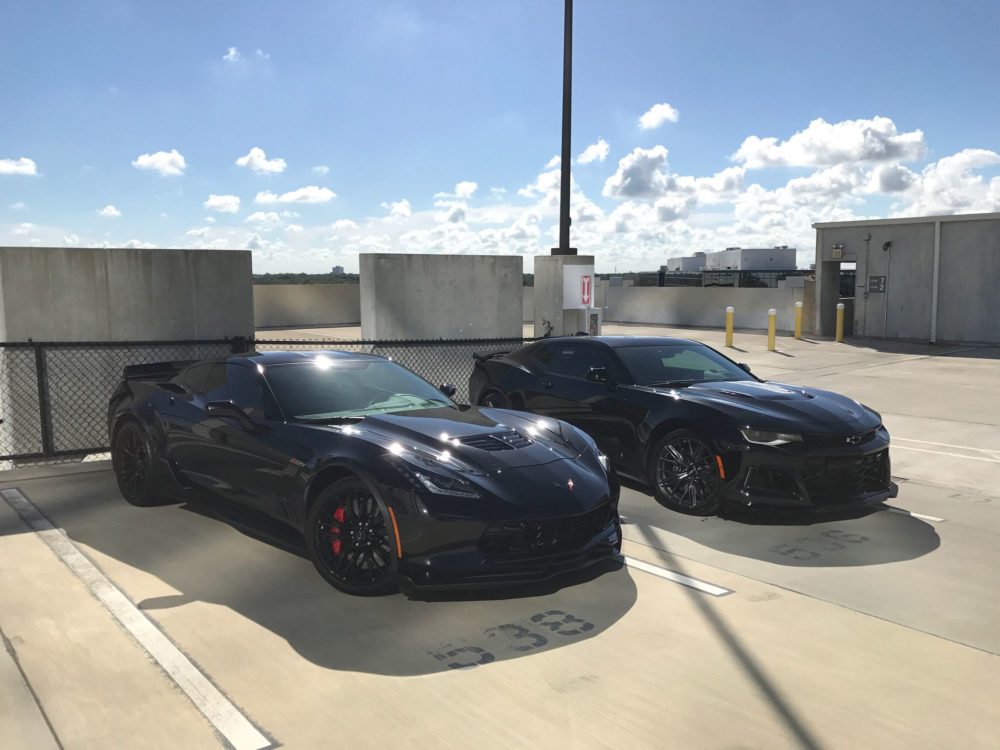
(704, 586)
(988, 459)
(228, 721)
(948, 445)
(921, 516)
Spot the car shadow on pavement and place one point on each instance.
(262, 577)
(849, 538)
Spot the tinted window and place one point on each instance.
(330, 388)
(246, 388)
(200, 379)
(571, 359)
(678, 363)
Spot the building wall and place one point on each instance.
(406, 296)
(968, 306)
(87, 294)
(528, 313)
(297, 305)
(698, 306)
(752, 259)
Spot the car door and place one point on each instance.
(245, 460)
(564, 392)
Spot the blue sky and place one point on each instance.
(402, 101)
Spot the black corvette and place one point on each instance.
(697, 428)
(387, 479)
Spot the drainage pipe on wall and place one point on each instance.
(934, 282)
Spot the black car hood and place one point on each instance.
(794, 407)
(445, 429)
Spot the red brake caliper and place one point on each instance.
(338, 516)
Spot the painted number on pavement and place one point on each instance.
(812, 547)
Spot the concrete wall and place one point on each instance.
(550, 317)
(528, 315)
(84, 294)
(702, 306)
(405, 296)
(969, 275)
(288, 305)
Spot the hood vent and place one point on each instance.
(497, 441)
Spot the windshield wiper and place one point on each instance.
(673, 383)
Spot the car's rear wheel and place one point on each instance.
(132, 461)
(494, 399)
(684, 474)
(349, 539)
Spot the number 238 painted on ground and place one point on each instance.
(517, 637)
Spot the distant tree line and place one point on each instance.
(305, 278)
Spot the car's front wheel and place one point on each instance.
(349, 539)
(132, 461)
(684, 474)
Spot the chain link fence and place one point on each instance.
(54, 395)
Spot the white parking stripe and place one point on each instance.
(220, 712)
(694, 583)
(897, 446)
(935, 519)
(947, 445)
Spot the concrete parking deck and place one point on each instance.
(878, 631)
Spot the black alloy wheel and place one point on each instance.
(494, 399)
(349, 539)
(132, 462)
(684, 474)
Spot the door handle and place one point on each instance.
(547, 385)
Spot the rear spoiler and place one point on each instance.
(156, 371)
(491, 355)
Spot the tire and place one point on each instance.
(494, 399)
(349, 539)
(132, 461)
(684, 475)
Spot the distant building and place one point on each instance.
(780, 258)
(685, 264)
(338, 271)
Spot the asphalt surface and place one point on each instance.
(879, 631)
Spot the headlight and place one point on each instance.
(440, 484)
(767, 437)
(604, 462)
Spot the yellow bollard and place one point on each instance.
(840, 321)
(772, 320)
(729, 325)
(798, 320)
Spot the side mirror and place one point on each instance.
(229, 410)
(599, 375)
(745, 367)
(448, 389)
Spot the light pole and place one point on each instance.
(567, 104)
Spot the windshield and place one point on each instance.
(328, 389)
(678, 365)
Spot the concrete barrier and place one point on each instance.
(702, 306)
(528, 315)
(304, 305)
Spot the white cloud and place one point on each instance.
(22, 166)
(951, 185)
(286, 214)
(594, 152)
(109, 212)
(139, 245)
(165, 162)
(257, 160)
(554, 162)
(641, 174)
(891, 178)
(341, 224)
(210, 219)
(262, 55)
(264, 220)
(198, 232)
(455, 213)
(293, 228)
(19, 206)
(658, 115)
(224, 204)
(310, 194)
(25, 227)
(823, 143)
(232, 55)
(321, 169)
(398, 209)
(465, 189)
(71, 239)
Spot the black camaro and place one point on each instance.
(387, 479)
(697, 428)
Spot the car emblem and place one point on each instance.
(853, 439)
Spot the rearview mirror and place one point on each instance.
(229, 410)
(745, 367)
(448, 389)
(599, 375)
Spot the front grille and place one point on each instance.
(822, 440)
(546, 536)
(497, 441)
(837, 480)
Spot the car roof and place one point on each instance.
(620, 342)
(285, 358)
